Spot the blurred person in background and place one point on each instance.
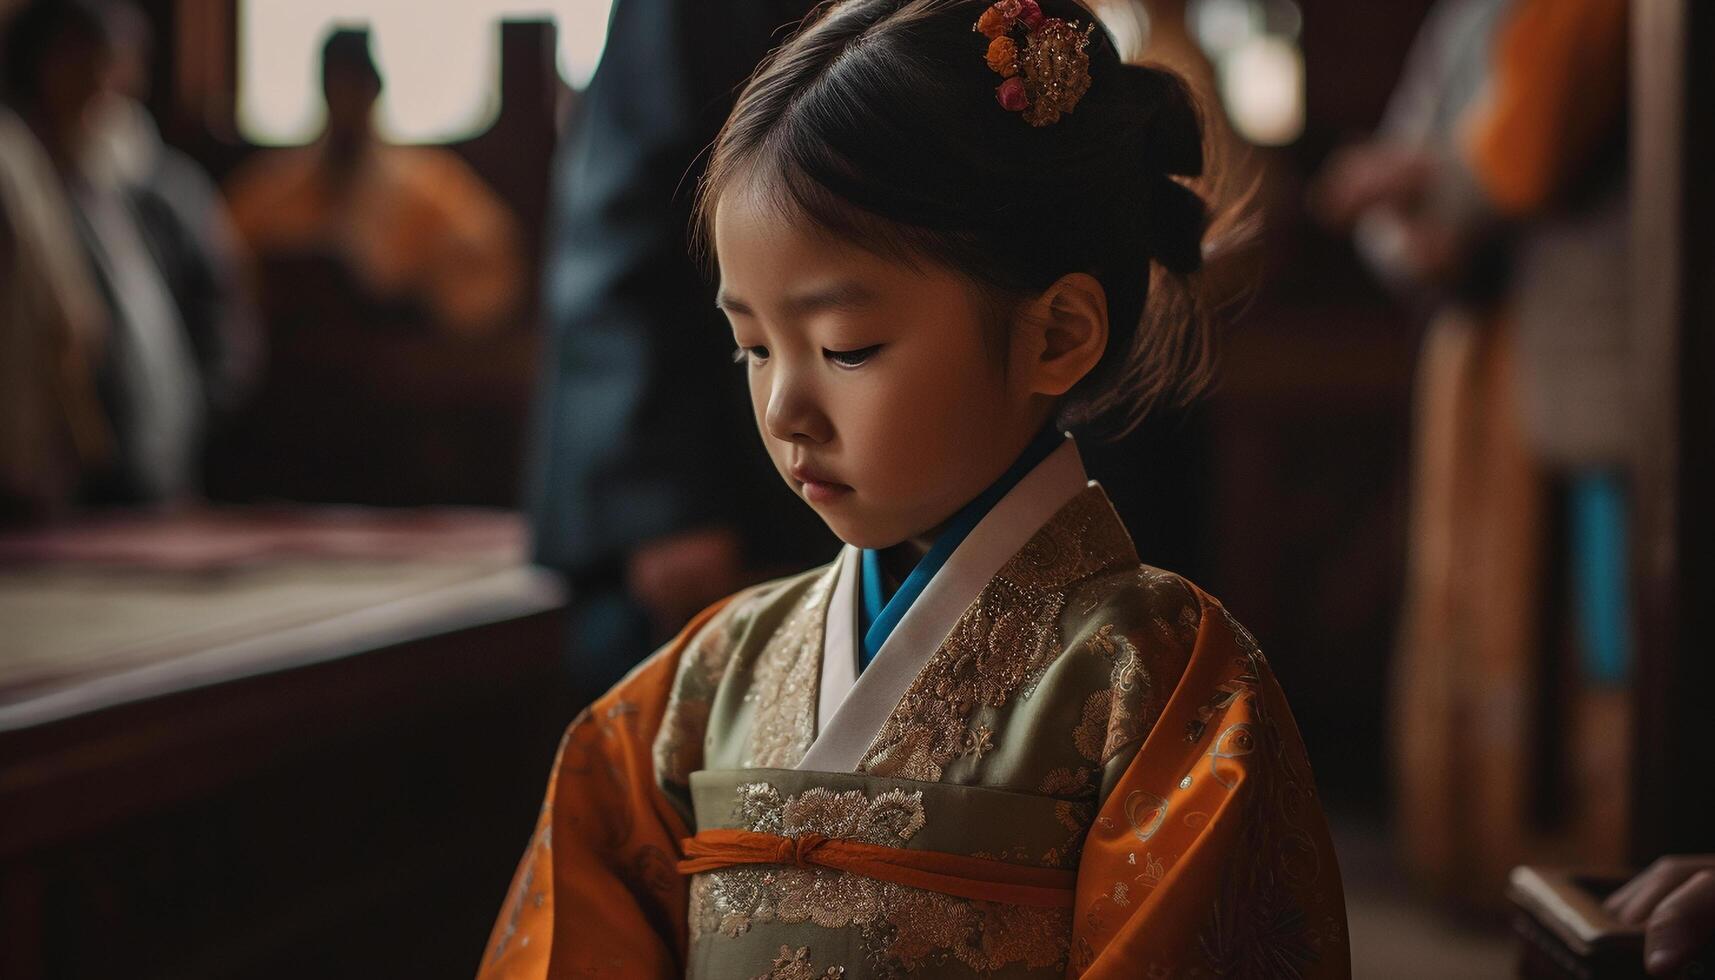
(413, 225)
(631, 420)
(52, 424)
(184, 216)
(133, 338)
(1495, 197)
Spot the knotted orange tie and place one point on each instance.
(797, 850)
(979, 879)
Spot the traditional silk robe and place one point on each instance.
(1060, 763)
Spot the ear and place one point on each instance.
(1063, 334)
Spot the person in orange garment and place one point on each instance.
(414, 224)
(1515, 222)
(985, 739)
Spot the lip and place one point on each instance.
(805, 473)
(816, 486)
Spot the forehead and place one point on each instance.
(775, 261)
(763, 247)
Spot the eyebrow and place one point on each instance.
(846, 294)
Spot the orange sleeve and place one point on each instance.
(1211, 856)
(1557, 97)
(597, 893)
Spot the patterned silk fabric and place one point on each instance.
(1086, 714)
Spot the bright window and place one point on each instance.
(440, 60)
(1254, 45)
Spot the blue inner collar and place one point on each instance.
(879, 613)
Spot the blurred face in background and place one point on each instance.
(133, 49)
(351, 92)
(75, 72)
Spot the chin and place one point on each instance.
(859, 534)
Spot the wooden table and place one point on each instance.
(269, 743)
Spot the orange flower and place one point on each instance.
(993, 23)
(1003, 56)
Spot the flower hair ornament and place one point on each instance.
(1041, 60)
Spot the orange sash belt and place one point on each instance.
(980, 879)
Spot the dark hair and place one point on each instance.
(34, 34)
(347, 49)
(129, 26)
(878, 121)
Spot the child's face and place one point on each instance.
(875, 392)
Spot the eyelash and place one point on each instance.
(844, 358)
(851, 358)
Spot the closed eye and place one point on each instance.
(851, 358)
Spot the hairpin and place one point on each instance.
(1046, 74)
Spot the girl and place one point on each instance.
(984, 740)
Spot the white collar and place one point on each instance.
(851, 709)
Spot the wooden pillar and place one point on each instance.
(203, 53)
(1673, 309)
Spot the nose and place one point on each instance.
(794, 412)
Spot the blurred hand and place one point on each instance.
(1674, 899)
(1365, 175)
(1433, 252)
(676, 577)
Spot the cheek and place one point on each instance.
(927, 421)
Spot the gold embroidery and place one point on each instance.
(1152, 869)
(1003, 643)
(979, 742)
(1121, 894)
(1090, 738)
(1177, 611)
(1123, 714)
(1225, 694)
(1233, 743)
(1146, 812)
(526, 887)
(890, 819)
(678, 748)
(784, 689)
(795, 965)
(1074, 814)
(1246, 642)
(1065, 782)
(1257, 925)
(902, 928)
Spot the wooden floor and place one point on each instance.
(1399, 934)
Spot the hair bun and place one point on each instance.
(1174, 220)
(1169, 126)
(1167, 133)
